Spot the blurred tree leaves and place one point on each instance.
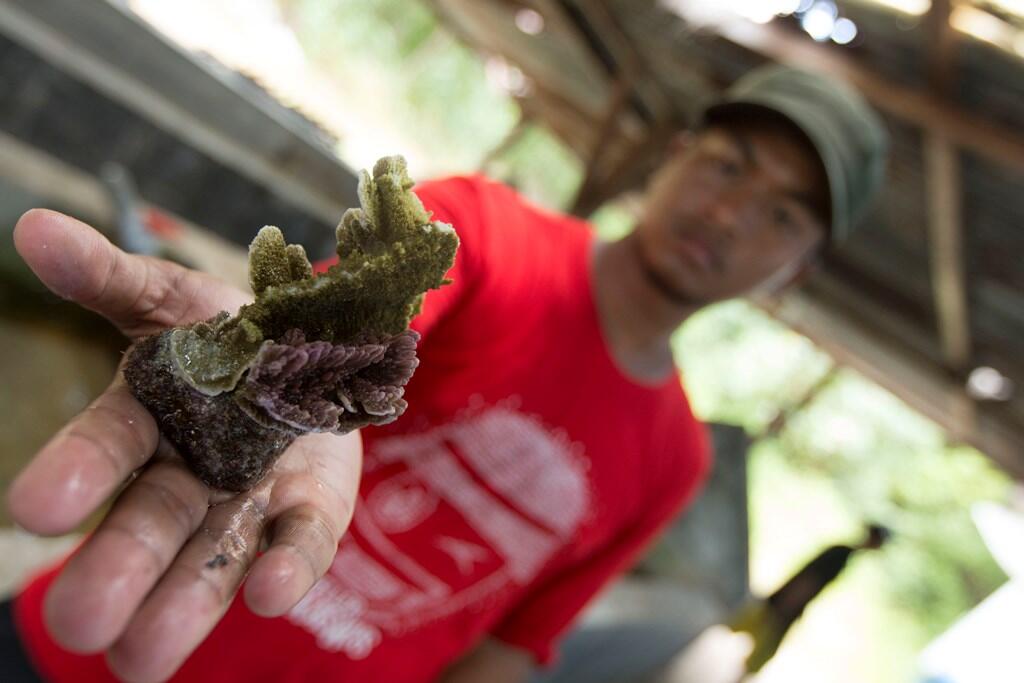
(881, 461)
(742, 367)
(540, 167)
(408, 74)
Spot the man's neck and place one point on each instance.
(637, 316)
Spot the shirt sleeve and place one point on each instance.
(551, 608)
(453, 201)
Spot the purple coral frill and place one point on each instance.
(323, 387)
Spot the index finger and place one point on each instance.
(84, 463)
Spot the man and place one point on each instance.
(547, 438)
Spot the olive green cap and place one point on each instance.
(849, 136)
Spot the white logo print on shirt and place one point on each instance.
(507, 491)
(465, 555)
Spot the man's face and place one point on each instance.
(734, 208)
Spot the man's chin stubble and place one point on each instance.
(673, 294)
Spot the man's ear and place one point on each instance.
(790, 277)
(808, 269)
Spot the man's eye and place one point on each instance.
(783, 219)
(728, 167)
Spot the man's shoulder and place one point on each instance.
(455, 193)
(499, 227)
(476, 199)
(681, 436)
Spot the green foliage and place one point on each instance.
(389, 252)
(612, 221)
(722, 352)
(540, 167)
(408, 74)
(855, 453)
(402, 70)
(895, 466)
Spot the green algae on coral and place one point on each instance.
(390, 253)
(327, 353)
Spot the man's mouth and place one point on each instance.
(698, 251)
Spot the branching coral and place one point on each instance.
(328, 353)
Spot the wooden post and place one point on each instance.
(944, 197)
(946, 249)
(942, 45)
(589, 194)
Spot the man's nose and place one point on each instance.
(726, 212)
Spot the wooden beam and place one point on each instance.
(630, 60)
(642, 157)
(554, 60)
(915, 106)
(43, 176)
(111, 50)
(942, 48)
(932, 393)
(60, 185)
(567, 121)
(594, 174)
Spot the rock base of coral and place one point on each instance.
(222, 445)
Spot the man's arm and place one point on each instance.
(492, 661)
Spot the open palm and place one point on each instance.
(152, 581)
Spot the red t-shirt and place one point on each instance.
(527, 472)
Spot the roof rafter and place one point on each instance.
(914, 106)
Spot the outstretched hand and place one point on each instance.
(152, 581)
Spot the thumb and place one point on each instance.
(139, 294)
